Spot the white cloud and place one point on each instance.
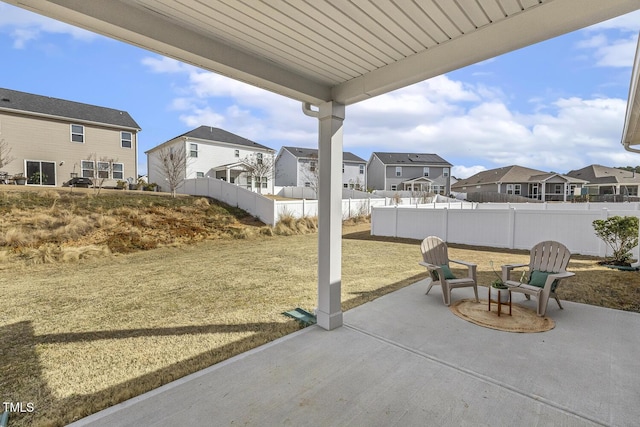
(463, 172)
(162, 64)
(25, 27)
(613, 42)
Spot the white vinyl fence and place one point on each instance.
(269, 210)
(501, 228)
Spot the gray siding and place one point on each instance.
(286, 170)
(375, 174)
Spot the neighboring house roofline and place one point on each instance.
(602, 175)
(16, 102)
(406, 159)
(513, 174)
(312, 153)
(218, 136)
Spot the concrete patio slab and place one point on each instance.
(405, 359)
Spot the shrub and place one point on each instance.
(620, 233)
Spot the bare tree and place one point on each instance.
(262, 167)
(103, 170)
(5, 153)
(173, 165)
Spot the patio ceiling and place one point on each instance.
(340, 50)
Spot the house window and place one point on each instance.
(312, 166)
(249, 182)
(232, 179)
(125, 139)
(264, 183)
(307, 184)
(557, 188)
(345, 185)
(236, 153)
(343, 168)
(103, 170)
(425, 171)
(394, 187)
(399, 171)
(445, 172)
(199, 174)
(193, 150)
(259, 158)
(361, 169)
(118, 170)
(514, 188)
(88, 168)
(77, 133)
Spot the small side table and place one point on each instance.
(499, 301)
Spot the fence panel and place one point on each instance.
(502, 228)
(481, 228)
(412, 221)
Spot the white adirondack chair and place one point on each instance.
(435, 257)
(547, 266)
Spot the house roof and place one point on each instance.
(208, 133)
(326, 50)
(513, 174)
(598, 174)
(415, 159)
(13, 100)
(312, 153)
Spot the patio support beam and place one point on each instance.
(330, 116)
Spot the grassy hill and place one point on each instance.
(41, 225)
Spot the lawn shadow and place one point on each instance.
(21, 368)
(366, 296)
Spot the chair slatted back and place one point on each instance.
(549, 256)
(434, 251)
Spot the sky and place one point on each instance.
(555, 106)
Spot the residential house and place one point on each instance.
(604, 180)
(52, 140)
(521, 181)
(409, 172)
(215, 153)
(298, 167)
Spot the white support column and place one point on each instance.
(330, 116)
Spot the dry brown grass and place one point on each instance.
(78, 337)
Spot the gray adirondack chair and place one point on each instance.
(435, 257)
(547, 266)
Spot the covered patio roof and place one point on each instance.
(332, 50)
(330, 54)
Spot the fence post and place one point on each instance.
(602, 247)
(512, 228)
(395, 228)
(445, 224)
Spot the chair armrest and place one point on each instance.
(429, 266)
(506, 270)
(557, 276)
(468, 264)
(471, 267)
